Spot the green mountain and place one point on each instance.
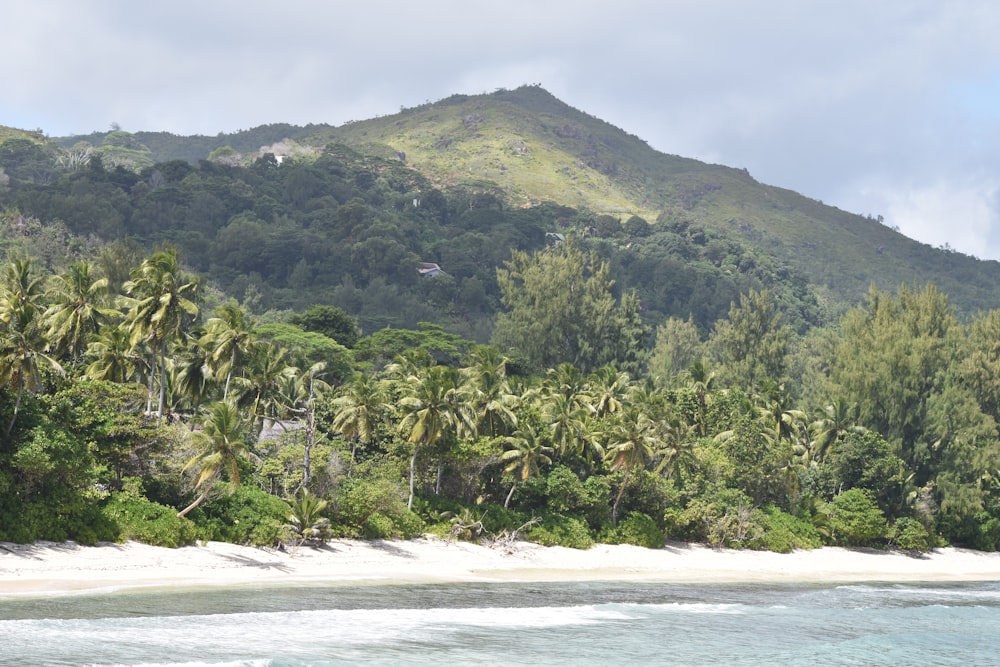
(537, 148)
(530, 147)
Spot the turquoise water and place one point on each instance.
(510, 624)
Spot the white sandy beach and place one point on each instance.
(47, 568)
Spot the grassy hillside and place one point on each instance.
(533, 148)
(537, 148)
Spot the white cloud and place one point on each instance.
(868, 106)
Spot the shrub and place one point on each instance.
(246, 515)
(726, 518)
(784, 533)
(557, 530)
(910, 534)
(855, 518)
(638, 529)
(378, 526)
(144, 521)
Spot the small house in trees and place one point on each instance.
(428, 270)
(555, 238)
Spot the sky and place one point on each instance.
(887, 108)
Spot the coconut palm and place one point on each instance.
(22, 355)
(489, 391)
(229, 339)
(158, 302)
(631, 440)
(838, 420)
(527, 453)
(114, 357)
(80, 305)
(432, 410)
(219, 445)
(306, 521)
(262, 388)
(359, 409)
(608, 389)
(23, 343)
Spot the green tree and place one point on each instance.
(80, 305)
(526, 454)
(219, 446)
(677, 347)
(855, 519)
(432, 410)
(631, 442)
(330, 321)
(560, 308)
(158, 303)
(752, 344)
(229, 339)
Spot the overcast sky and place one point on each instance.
(890, 108)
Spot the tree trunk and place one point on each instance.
(229, 375)
(17, 407)
(307, 455)
(152, 376)
(510, 494)
(163, 377)
(197, 501)
(413, 464)
(618, 498)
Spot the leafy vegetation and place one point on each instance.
(407, 335)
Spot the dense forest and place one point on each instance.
(278, 350)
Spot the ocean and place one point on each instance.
(579, 623)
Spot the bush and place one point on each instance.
(855, 518)
(638, 529)
(378, 526)
(783, 533)
(910, 535)
(246, 515)
(144, 521)
(726, 518)
(557, 530)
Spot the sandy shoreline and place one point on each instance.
(53, 568)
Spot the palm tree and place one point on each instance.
(527, 453)
(786, 423)
(838, 420)
(262, 387)
(158, 301)
(22, 346)
(702, 382)
(631, 441)
(190, 376)
(432, 410)
(114, 357)
(608, 389)
(79, 306)
(359, 409)
(22, 341)
(218, 447)
(306, 520)
(568, 420)
(229, 339)
(490, 393)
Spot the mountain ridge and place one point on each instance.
(535, 148)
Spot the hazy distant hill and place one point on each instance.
(535, 148)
